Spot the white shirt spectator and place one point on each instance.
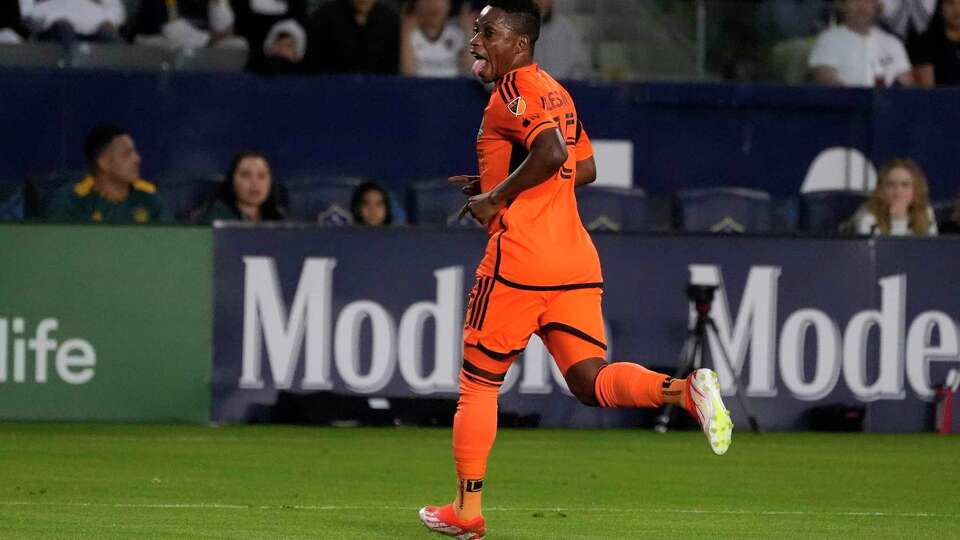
(866, 224)
(440, 58)
(86, 16)
(860, 60)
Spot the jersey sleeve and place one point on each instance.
(582, 147)
(516, 112)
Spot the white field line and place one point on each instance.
(584, 510)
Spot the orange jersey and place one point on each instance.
(537, 241)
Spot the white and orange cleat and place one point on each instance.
(704, 402)
(443, 520)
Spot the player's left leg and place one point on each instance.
(578, 348)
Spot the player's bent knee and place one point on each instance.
(582, 379)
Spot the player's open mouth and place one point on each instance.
(479, 65)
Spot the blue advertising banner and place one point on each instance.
(805, 322)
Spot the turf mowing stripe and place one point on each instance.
(218, 506)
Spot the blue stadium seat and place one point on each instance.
(612, 209)
(724, 210)
(823, 212)
(321, 200)
(437, 202)
(943, 210)
(39, 190)
(786, 214)
(11, 201)
(185, 198)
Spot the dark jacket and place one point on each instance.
(337, 44)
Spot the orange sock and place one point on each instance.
(625, 384)
(474, 430)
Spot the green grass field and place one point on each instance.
(105, 481)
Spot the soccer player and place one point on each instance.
(540, 273)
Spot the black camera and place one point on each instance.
(701, 294)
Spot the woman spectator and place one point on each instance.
(937, 55)
(431, 45)
(247, 192)
(900, 205)
(370, 205)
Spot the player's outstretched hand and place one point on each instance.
(468, 184)
(481, 207)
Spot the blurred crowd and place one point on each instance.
(426, 38)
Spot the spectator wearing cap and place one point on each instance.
(283, 49)
(256, 19)
(113, 191)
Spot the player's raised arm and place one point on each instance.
(547, 154)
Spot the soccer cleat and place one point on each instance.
(443, 520)
(703, 401)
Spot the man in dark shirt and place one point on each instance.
(354, 36)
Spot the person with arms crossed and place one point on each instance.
(540, 273)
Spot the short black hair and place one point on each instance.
(98, 139)
(525, 15)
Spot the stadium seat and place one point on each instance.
(212, 59)
(122, 57)
(32, 55)
(943, 211)
(822, 212)
(186, 198)
(840, 168)
(612, 209)
(724, 210)
(321, 200)
(11, 201)
(39, 190)
(786, 214)
(436, 202)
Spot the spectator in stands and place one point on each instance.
(937, 54)
(907, 19)
(353, 36)
(11, 24)
(900, 204)
(283, 50)
(858, 53)
(247, 193)
(370, 205)
(431, 45)
(113, 191)
(562, 50)
(186, 24)
(256, 18)
(71, 21)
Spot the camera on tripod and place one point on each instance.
(701, 296)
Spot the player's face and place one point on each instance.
(373, 208)
(951, 13)
(898, 188)
(251, 181)
(120, 159)
(495, 45)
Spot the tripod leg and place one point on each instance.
(738, 384)
(686, 362)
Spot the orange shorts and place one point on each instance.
(500, 320)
